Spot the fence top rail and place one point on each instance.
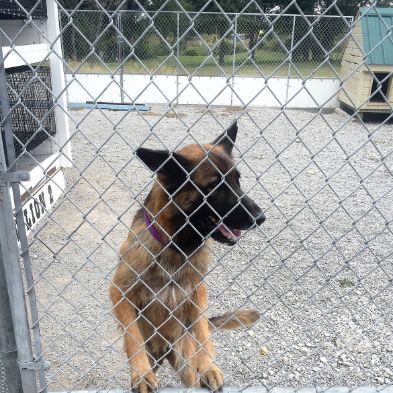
(213, 13)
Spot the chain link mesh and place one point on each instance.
(319, 270)
(212, 40)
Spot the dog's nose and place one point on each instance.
(258, 215)
(260, 219)
(254, 210)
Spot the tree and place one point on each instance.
(347, 7)
(351, 7)
(307, 45)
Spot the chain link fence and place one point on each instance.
(318, 271)
(207, 44)
(3, 380)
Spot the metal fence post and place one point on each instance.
(290, 59)
(9, 354)
(234, 58)
(24, 244)
(177, 56)
(120, 41)
(10, 254)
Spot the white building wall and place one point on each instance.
(161, 89)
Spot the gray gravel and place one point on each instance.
(3, 382)
(319, 269)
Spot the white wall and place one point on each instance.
(161, 89)
(21, 32)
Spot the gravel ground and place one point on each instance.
(319, 270)
(3, 382)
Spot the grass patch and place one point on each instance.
(266, 63)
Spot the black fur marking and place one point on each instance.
(175, 168)
(228, 138)
(222, 201)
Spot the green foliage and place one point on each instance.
(226, 47)
(351, 7)
(150, 46)
(89, 35)
(142, 36)
(347, 7)
(273, 44)
(194, 51)
(241, 47)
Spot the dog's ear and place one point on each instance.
(228, 138)
(174, 166)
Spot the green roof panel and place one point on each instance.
(377, 29)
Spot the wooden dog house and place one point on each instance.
(367, 66)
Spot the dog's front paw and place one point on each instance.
(144, 382)
(212, 378)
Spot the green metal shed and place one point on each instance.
(367, 66)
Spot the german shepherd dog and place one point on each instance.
(158, 293)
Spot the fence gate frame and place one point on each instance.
(20, 338)
(29, 361)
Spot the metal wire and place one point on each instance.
(281, 269)
(121, 44)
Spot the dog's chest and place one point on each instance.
(174, 295)
(170, 281)
(167, 290)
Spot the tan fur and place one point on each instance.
(160, 299)
(234, 320)
(206, 157)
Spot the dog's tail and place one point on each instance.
(234, 320)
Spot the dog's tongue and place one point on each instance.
(237, 232)
(232, 234)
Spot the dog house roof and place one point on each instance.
(377, 30)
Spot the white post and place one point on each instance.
(63, 146)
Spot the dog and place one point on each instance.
(158, 293)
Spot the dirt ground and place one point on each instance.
(319, 270)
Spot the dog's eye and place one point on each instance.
(210, 188)
(235, 174)
(213, 186)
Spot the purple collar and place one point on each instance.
(153, 231)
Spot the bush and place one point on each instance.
(210, 39)
(151, 46)
(226, 47)
(241, 47)
(195, 51)
(273, 44)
